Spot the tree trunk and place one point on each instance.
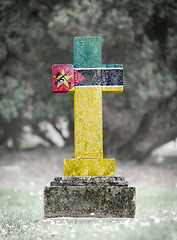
(140, 135)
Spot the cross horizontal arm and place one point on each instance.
(109, 78)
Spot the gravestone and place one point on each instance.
(89, 187)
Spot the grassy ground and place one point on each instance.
(21, 204)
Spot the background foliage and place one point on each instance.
(140, 34)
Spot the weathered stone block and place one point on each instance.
(89, 167)
(89, 197)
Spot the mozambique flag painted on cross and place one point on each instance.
(64, 78)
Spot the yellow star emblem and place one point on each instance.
(63, 78)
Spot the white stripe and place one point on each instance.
(99, 86)
(96, 68)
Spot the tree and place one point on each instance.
(141, 35)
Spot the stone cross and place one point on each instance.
(88, 187)
(90, 79)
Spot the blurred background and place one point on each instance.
(140, 124)
(141, 35)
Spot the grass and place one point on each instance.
(21, 202)
(21, 216)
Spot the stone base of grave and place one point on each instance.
(100, 197)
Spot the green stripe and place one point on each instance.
(87, 52)
(112, 66)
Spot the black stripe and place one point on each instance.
(102, 77)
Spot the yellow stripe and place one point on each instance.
(117, 89)
(112, 89)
